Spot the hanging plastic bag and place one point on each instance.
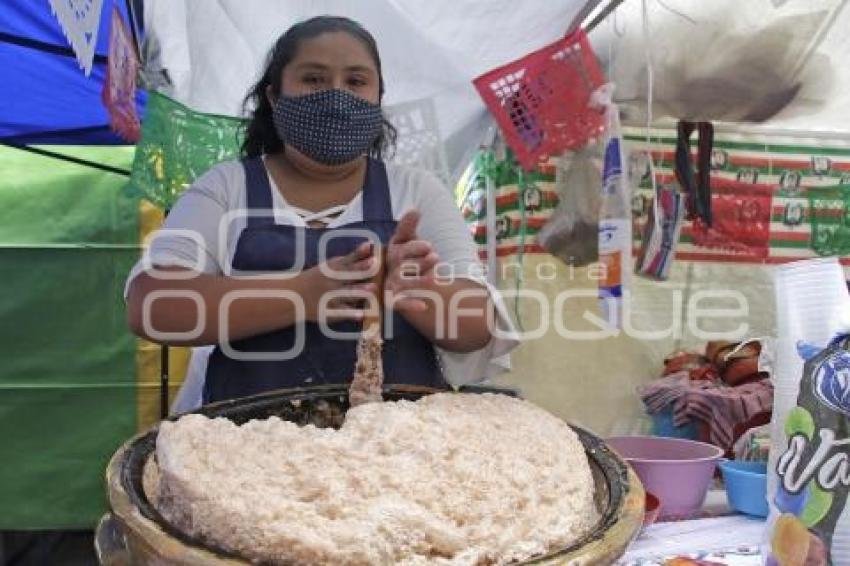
(572, 233)
(809, 466)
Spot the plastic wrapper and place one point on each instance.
(661, 234)
(809, 466)
(741, 220)
(753, 445)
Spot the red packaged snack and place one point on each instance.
(740, 219)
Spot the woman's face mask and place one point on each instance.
(330, 126)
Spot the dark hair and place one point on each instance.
(260, 134)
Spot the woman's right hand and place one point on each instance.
(339, 288)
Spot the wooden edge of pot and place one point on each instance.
(610, 547)
(149, 544)
(146, 542)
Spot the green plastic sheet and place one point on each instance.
(68, 237)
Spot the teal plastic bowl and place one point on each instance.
(746, 486)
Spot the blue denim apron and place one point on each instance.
(264, 246)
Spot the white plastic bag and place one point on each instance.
(572, 233)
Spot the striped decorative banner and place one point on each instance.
(524, 203)
(775, 199)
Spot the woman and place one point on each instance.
(299, 205)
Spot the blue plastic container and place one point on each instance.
(746, 486)
(662, 425)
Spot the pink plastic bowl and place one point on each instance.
(677, 471)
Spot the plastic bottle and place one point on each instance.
(615, 225)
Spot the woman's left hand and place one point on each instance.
(410, 267)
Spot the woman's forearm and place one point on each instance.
(257, 305)
(458, 316)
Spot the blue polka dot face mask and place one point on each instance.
(330, 126)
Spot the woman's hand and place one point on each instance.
(430, 302)
(410, 267)
(338, 289)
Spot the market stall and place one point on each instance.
(640, 179)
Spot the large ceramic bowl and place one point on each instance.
(134, 532)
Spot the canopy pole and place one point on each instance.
(31, 43)
(600, 17)
(583, 14)
(131, 15)
(69, 158)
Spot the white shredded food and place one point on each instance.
(449, 479)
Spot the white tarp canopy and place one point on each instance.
(214, 50)
(781, 62)
(719, 60)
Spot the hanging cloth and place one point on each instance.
(696, 186)
(119, 88)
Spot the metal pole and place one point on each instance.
(163, 381)
(163, 369)
(600, 17)
(134, 27)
